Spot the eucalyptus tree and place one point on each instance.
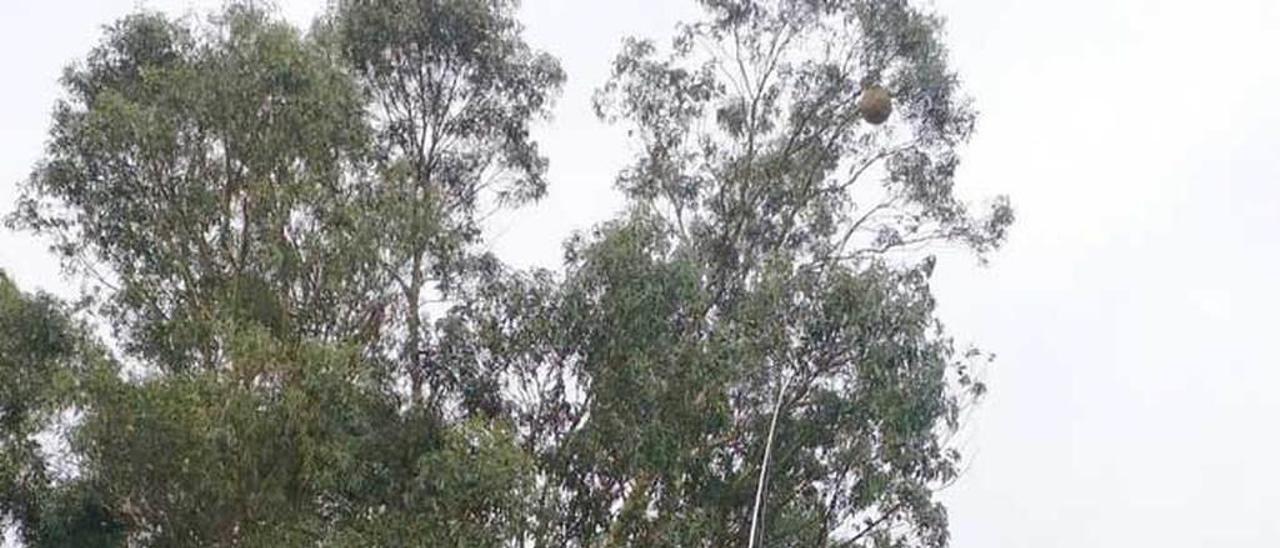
(261, 226)
(749, 355)
(199, 176)
(453, 91)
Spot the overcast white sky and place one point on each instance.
(1134, 401)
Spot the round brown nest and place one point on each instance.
(875, 104)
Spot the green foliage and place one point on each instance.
(200, 167)
(262, 235)
(46, 361)
(304, 450)
(454, 90)
(765, 263)
(295, 445)
(267, 213)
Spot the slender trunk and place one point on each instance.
(756, 518)
(413, 344)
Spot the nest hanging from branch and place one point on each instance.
(875, 104)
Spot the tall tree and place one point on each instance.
(749, 356)
(454, 90)
(263, 226)
(201, 174)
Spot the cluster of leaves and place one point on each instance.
(747, 354)
(293, 446)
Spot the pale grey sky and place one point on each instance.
(1134, 399)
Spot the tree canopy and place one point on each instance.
(747, 355)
